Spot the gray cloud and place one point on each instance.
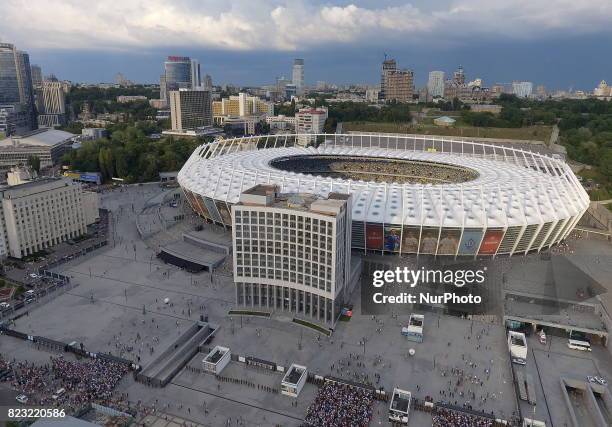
(289, 25)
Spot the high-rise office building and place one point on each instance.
(37, 77)
(388, 66)
(190, 109)
(177, 73)
(16, 83)
(298, 75)
(435, 84)
(459, 76)
(292, 253)
(51, 104)
(399, 86)
(522, 89)
(196, 80)
(208, 83)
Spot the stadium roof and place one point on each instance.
(513, 187)
(43, 137)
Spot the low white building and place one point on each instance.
(281, 122)
(217, 360)
(309, 121)
(399, 408)
(294, 380)
(93, 133)
(47, 144)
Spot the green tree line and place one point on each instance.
(129, 154)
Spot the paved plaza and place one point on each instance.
(128, 303)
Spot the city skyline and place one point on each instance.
(551, 43)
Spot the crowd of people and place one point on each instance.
(82, 382)
(444, 417)
(376, 170)
(340, 406)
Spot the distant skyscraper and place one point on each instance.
(459, 76)
(190, 109)
(196, 80)
(162, 87)
(522, 89)
(298, 75)
(177, 73)
(208, 83)
(16, 83)
(399, 86)
(37, 77)
(435, 84)
(388, 66)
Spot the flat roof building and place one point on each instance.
(292, 252)
(217, 360)
(190, 109)
(294, 380)
(42, 213)
(47, 144)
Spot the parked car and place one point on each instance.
(22, 398)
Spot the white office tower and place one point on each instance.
(298, 75)
(435, 84)
(292, 253)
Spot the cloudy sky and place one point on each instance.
(559, 43)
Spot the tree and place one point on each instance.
(34, 163)
(105, 160)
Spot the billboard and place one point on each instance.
(429, 240)
(393, 235)
(490, 242)
(470, 241)
(449, 241)
(410, 240)
(374, 236)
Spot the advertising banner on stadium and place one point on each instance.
(449, 240)
(393, 235)
(491, 242)
(470, 241)
(429, 240)
(410, 240)
(374, 236)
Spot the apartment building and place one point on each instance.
(292, 253)
(241, 105)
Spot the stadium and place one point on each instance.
(411, 194)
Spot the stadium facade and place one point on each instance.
(411, 194)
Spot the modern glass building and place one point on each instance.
(16, 83)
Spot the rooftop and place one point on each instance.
(42, 137)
